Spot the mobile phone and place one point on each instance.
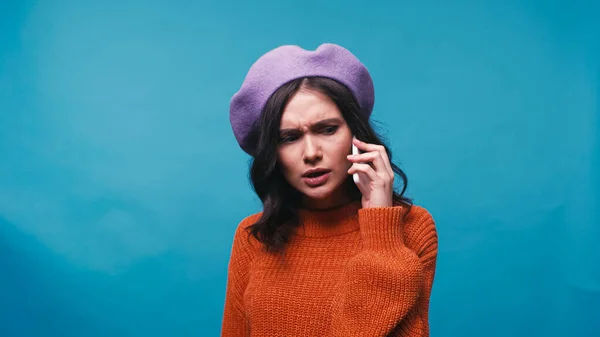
(355, 175)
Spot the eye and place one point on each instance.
(287, 139)
(330, 129)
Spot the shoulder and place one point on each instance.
(248, 221)
(420, 232)
(420, 216)
(243, 250)
(242, 237)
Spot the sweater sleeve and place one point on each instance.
(386, 285)
(234, 321)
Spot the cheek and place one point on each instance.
(286, 164)
(341, 160)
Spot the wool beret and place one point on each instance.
(289, 62)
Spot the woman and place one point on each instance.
(326, 256)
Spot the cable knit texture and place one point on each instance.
(346, 272)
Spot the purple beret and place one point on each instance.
(286, 63)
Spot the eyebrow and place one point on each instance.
(317, 125)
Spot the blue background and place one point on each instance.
(121, 183)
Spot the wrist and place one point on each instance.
(381, 227)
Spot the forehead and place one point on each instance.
(308, 107)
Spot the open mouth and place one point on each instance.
(316, 179)
(316, 174)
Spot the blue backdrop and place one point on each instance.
(121, 183)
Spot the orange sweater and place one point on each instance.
(347, 271)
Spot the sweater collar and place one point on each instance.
(329, 222)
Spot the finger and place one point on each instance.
(366, 169)
(367, 147)
(371, 157)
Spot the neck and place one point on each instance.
(332, 221)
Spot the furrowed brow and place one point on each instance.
(315, 126)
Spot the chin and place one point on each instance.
(316, 194)
(320, 193)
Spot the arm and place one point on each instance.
(234, 317)
(386, 285)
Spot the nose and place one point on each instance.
(312, 151)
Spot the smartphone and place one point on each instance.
(355, 175)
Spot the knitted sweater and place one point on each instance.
(347, 271)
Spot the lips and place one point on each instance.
(317, 178)
(314, 173)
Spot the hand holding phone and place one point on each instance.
(371, 167)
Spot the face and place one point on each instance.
(314, 135)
